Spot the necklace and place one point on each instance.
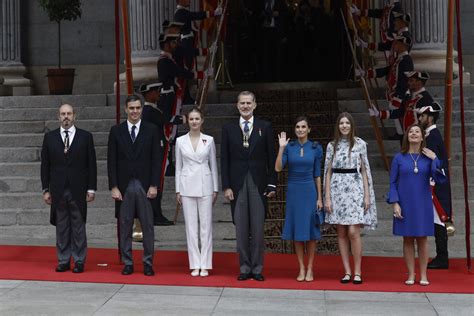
(415, 161)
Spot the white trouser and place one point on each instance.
(198, 219)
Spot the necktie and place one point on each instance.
(132, 134)
(66, 141)
(246, 127)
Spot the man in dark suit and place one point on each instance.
(248, 179)
(134, 166)
(69, 181)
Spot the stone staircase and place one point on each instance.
(24, 218)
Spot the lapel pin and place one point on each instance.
(204, 141)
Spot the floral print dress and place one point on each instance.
(347, 189)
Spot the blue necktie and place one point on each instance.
(246, 127)
(132, 134)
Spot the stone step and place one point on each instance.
(356, 93)
(393, 246)
(45, 114)
(364, 118)
(36, 140)
(354, 106)
(53, 101)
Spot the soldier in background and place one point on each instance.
(442, 206)
(153, 113)
(397, 82)
(416, 98)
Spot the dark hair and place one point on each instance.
(132, 98)
(406, 144)
(247, 93)
(302, 118)
(197, 110)
(337, 132)
(434, 115)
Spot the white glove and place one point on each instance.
(373, 111)
(218, 11)
(355, 10)
(361, 43)
(359, 73)
(213, 48)
(210, 72)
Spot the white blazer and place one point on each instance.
(196, 171)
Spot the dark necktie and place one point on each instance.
(66, 141)
(133, 134)
(246, 127)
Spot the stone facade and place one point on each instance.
(88, 43)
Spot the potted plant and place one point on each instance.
(61, 80)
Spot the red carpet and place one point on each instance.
(380, 273)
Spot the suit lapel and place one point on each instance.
(256, 131)
(75, 144)
(140, 139)
(127, 140)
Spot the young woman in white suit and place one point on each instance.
(196, 191)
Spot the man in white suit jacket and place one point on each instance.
(196, 188)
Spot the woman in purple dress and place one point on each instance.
(410, 195)
(303, 196)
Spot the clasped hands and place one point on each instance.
(117, 195)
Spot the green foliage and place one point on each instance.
(60, 10)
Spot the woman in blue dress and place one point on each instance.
(303, 196)
(410, 195)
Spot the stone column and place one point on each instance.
(429, 22)
(11, 67)
(145, 19)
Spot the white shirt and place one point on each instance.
(137, 128)
(72, 132)
(250, 124)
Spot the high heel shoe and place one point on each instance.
(424, 282)
(204, 273)
(195, 272)
(301, 276)
(410, 281)
(309, 276)
(346, 278)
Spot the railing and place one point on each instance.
(365, 90)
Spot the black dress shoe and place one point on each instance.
(63, 267)
(164, 223)
(148, 270)
(127, 270)
(243, 276)
(258, 277)
(78, 267)
(439, 263)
